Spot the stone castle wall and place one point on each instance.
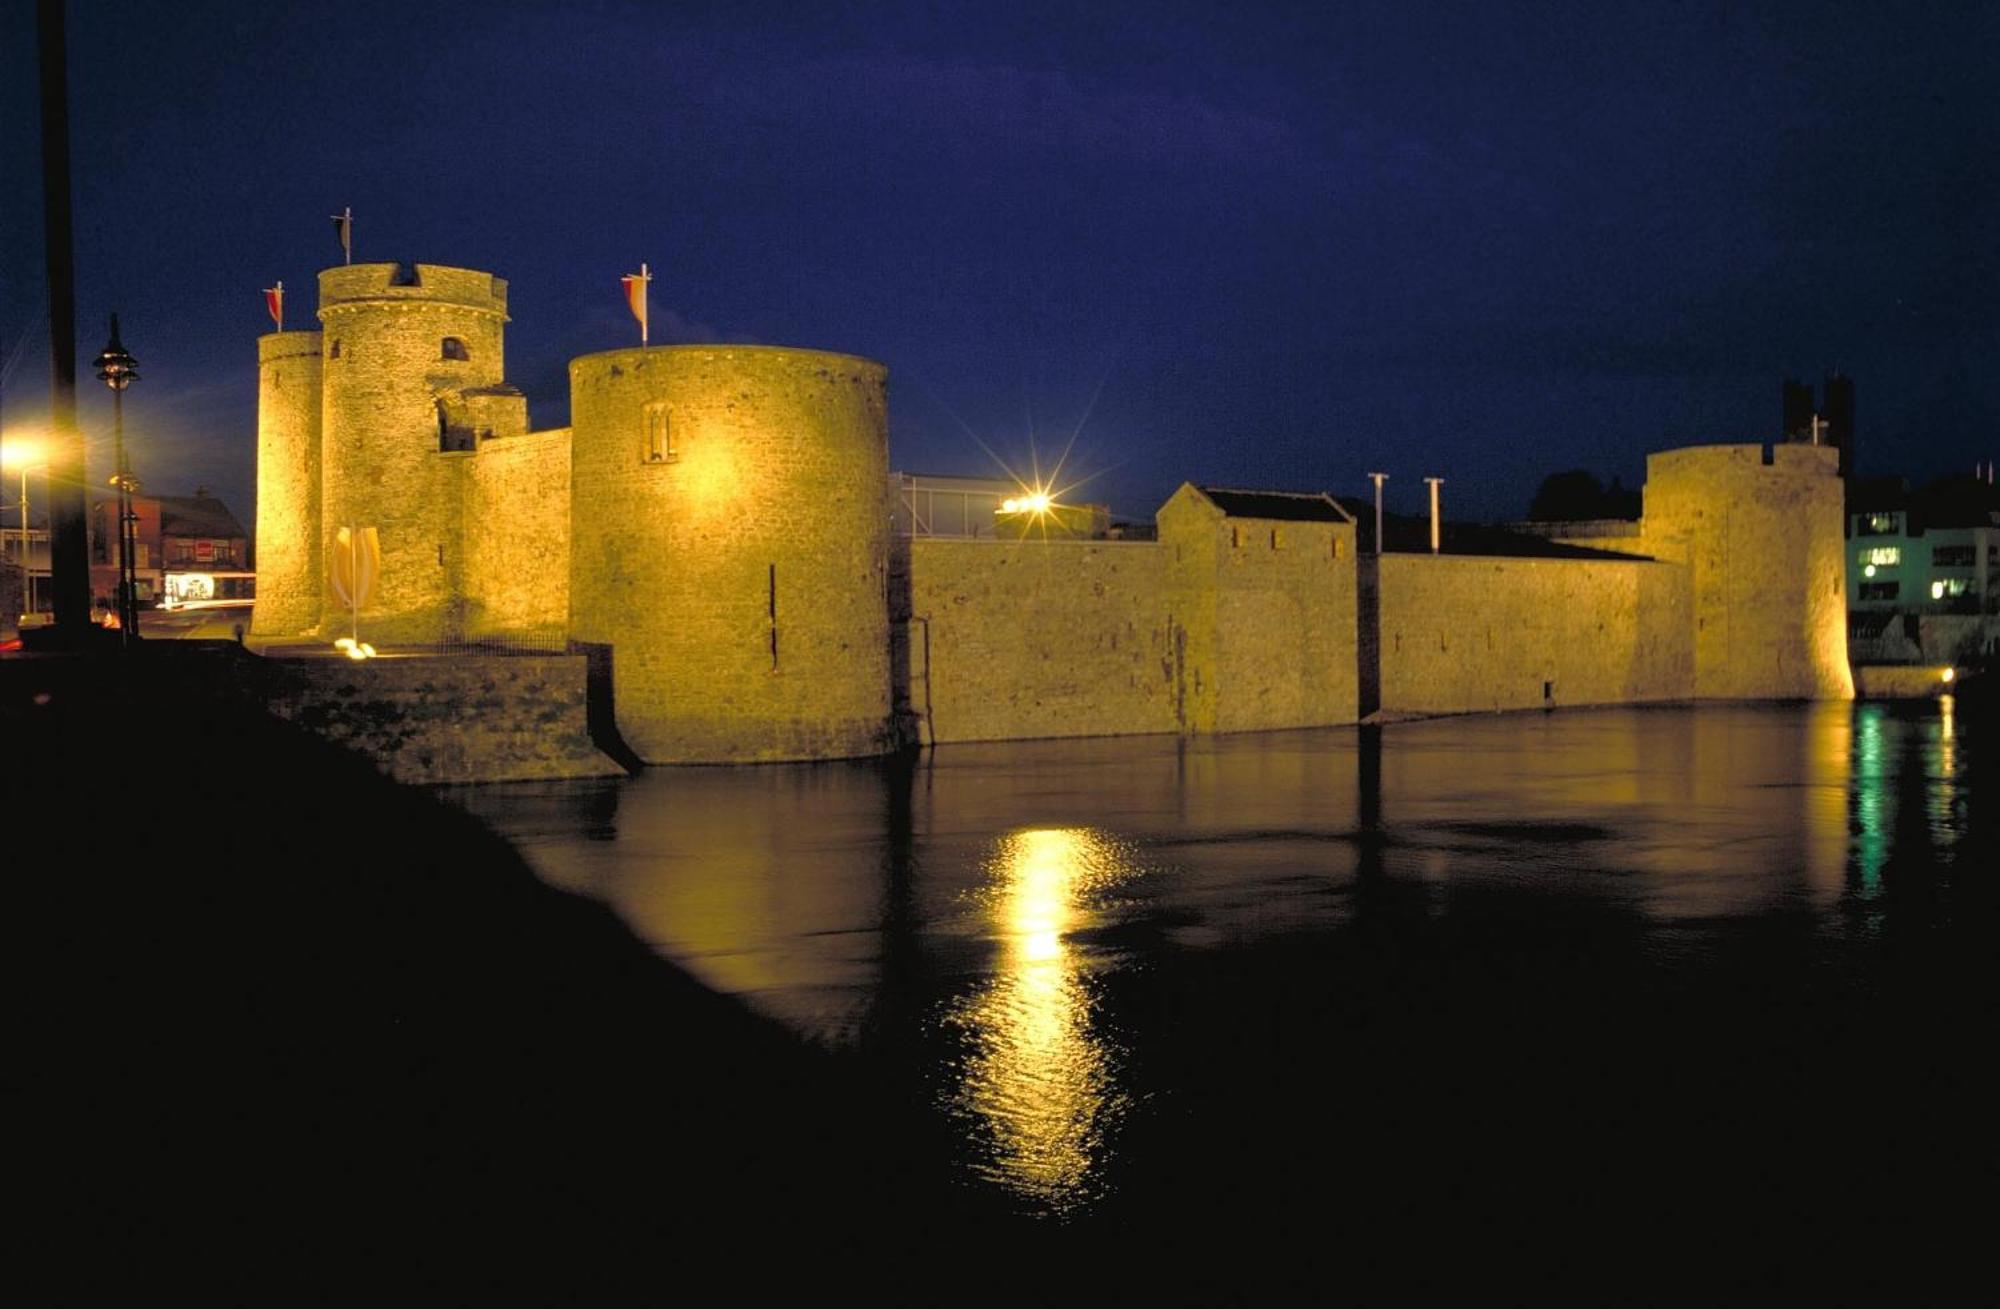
(289, 396)
(1268, 607)
(1018, 639)
(516, 495)
(729, 540)
(1464, 633)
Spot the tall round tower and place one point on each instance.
(729, 542)
(288, 485)
(401, 341)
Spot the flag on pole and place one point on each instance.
(274, 301)
(343, 228)
(635, 296)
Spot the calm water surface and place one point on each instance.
(1565, 947)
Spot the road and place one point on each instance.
(219, 624)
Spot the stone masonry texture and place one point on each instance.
(735, 559)
(713, 528)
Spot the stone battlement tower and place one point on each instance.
(1760, 530)
(729, 540)
(414, 368)
(289, 561)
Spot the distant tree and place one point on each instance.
(1621, 502)
(1567, 497)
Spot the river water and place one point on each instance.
(1589, 957)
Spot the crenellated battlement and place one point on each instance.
(350, 286)
(273, 346)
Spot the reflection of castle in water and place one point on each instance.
(961, 915)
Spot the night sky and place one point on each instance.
(1264, 245)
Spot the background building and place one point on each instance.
(1923, 572)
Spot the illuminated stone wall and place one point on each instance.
(385, 374)
(1268, 608)
(516, 515)
(1764, 545)
(1468, 633)
(1018, 639)
(470, 718)
(723, 498)
(288, 485)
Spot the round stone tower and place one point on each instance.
(288, 486)
(729, 543)
(401, 341)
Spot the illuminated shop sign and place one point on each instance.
(185, 588)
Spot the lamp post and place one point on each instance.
(118, 370)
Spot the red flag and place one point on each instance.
(274, 301)
(635, 297)
(343, 228)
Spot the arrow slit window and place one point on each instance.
(659, 436)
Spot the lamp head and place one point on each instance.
(114, 363)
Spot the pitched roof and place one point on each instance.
(1403, 534)
(1285, 506)
(197, 515)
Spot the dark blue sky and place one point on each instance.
(1279, 245)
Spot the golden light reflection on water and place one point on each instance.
(1038, 1077)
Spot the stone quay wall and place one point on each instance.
(463, 718)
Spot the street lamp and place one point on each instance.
(24, 454)
(118, 369)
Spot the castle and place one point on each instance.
(714, 529)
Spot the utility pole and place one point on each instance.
(1435, 483)
(69, 532)
(1378, 479)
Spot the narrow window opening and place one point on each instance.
(454, 348)
(1277, 539)
(1336, 547)
(333, 351)
(405, 275)
(1235, 537)
(774, 616)
(1548, 690)
(659, 436)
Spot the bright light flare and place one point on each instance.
(22, 452)
(354, 649)
(1949, 675)
(1038, 502)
